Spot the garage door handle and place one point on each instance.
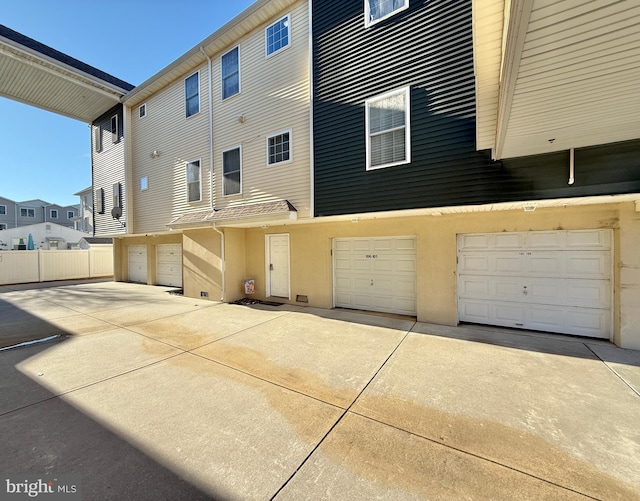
(525, 291)
(372, 282)
(270, 267)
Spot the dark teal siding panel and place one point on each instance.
(428, 47)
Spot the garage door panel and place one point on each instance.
(169, 265)
(557, 281)
(507, 240)
(589, 239)
(137, 263)
(376, 274)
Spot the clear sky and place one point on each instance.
(47, 156)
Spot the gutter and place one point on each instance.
(210, 105)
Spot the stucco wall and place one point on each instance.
(202, 264)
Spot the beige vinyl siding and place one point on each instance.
(178, 140)
(274, 96)
(108, 169)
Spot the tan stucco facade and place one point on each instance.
(311, 273)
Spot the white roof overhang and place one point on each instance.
(551, 75)
(37, 75)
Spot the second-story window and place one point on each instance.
(70, 214)
(231, 171)
(194, 193)
(387, 125)
(192, 94)
(54, 214)
(3, 210)
(99, 201)
(115, 131)
(377, 10)
(277, 35)
(279, 147)
(27, 212)
(142, 111)
(230, 73)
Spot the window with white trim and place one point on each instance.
(3, 210)
(115, 130)
(27, 212)
(97, 138)
(377, 10)
(194, 193)
(277, 35)
(192, 94)
(232, 171)
(99, 201)
(54, 214)
(71, 214)
(230, 67)
(144, 183)
(387, 128)
(142, 110)
(279, 147)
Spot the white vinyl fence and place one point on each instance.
(17, 267)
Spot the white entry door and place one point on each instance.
(169, 265)
(375, 274)
(277, 261)
(138, 263)
(555, 281)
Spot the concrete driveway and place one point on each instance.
(149, 395)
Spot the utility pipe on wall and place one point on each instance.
(210, 78)
(571, 167)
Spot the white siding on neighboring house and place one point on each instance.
(274, 97)
(108, 169)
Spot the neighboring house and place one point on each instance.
(7, 213)
(108, 171)
(84, 220)
(46, 236)
(17, 214)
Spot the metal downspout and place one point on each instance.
(210, 105)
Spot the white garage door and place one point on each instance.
(138, 263)
(376, 274)
(169, 265)
(555, 281)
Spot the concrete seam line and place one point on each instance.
(313, 450)
(613, 370)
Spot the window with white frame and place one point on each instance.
(387, 125)
(70, 214)
(230, 64)
(115, 131)
(279, 147)
(277, 36)
(99, 201)
(192, 94)
(194, 193)
(144, 183)
(54, 214)
(97, 138)
(24, 212)
(377, 10)
(232, 171)
(142, 110)
(3, 210)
